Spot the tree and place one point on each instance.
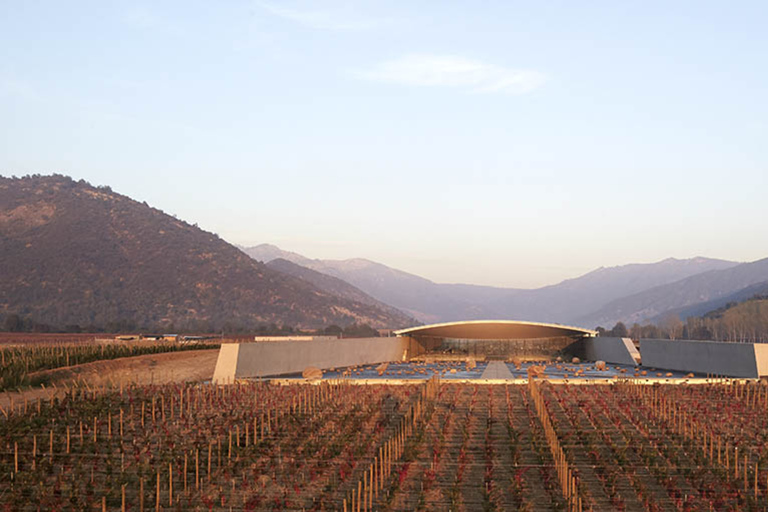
(333, 330)
(673, 325)
(360, 331)
(619, 330)
(649, 331)
(13, 323)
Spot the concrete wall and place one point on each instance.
(761, 357)
(610, 350)
(294, 338)
(226, 364)
(721, 358)
(243, 360)
(418, 346)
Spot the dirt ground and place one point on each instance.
(185, 366)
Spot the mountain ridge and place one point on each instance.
(334, 286)
(78, 254)
(564, 302)
(702, 308)
(699, 288)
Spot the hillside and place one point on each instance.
(421, 298)
(708, 286)
(745, 321)
(335, 286)
(564, 302)
(572, 299)
(77, 254)
(268, 252)
(702, 308)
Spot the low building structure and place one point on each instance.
(608, 349)
(282, 355)
(745, 360)
(294, 338)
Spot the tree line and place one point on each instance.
(13, 322)
(737, 322)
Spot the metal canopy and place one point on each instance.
(495, 330)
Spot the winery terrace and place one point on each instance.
(489, 340)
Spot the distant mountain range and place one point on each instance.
(629, 293)
(77, 254)
(697, 292)
(572, 300)
(335, 286)
(702, 308)
(423, 299)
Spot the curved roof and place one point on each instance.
(494, 330)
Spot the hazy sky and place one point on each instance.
(497, 142)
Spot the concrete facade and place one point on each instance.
(748, 360)
(761, 357)
(610, 350)
(226, 364)
(294, 338)
(247, 360)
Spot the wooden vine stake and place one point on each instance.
(210, 449)
(757, 467)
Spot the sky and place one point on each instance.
(500, 142)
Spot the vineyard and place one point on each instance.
(18, 363)
(428, 446)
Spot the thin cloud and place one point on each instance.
(451, 71)
(334, 20)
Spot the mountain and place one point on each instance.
(702, 308)
(572, 299)
(268, 252)
(420, 297)
(707, 286)
(77, 254)
(565, 302)
(336, 287)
